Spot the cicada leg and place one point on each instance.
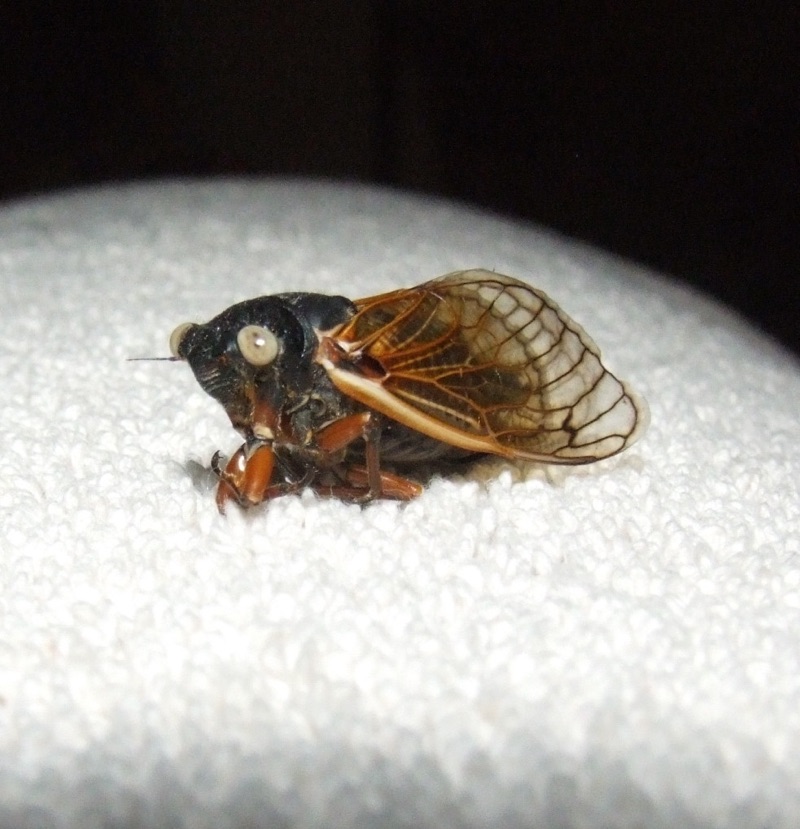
(362, 483)
(246, 477)
(356, 487)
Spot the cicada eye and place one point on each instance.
(259, 346)
(178, 336)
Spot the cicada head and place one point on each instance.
(256, 355)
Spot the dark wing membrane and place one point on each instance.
(483, 361)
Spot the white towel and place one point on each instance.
(616, 645)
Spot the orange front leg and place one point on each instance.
(246, 477)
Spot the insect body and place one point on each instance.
(348, 397)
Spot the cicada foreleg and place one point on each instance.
(246, 477)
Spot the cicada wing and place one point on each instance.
(485, 362)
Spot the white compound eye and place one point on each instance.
(259, 346)
(177, 337)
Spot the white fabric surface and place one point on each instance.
(615, 645)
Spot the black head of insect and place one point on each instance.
(255, 358)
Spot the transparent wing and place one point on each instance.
(483, 361)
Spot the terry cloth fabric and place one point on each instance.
(615, 645)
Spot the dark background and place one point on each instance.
(667, 133)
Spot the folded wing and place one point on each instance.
(485, 362)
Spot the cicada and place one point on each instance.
(358, 399)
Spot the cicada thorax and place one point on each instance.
(300, 442)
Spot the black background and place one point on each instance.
(667, 133)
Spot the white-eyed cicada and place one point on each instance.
(350, 397)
